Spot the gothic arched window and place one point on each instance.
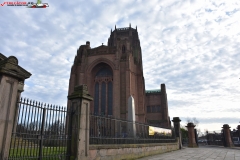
(104, 72)
(96, 99)
(110, 97)
(103, 99)
(123, 49)
(103, 92)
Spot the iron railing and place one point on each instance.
(109, 130)
(215, 138)
(39, 131)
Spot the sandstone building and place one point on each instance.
(112, 73)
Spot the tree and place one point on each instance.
(34, 126)
(57, 128)
(55, 134)
(195, 122)
(184, 134)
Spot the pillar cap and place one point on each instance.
(9, 66)
(238, 127)
(190, 125)
(80, 92)
(176, 119)
(226, 126)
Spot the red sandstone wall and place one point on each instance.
(127, 76)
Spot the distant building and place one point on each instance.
(112, 73)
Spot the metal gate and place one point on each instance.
(39, 132)
(216, 138)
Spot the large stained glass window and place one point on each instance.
(96, 98)
(104, 72)
(103, 98)
(110, 96)
(103, 92)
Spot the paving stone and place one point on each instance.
(203, 153)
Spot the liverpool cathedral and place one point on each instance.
(113, 73)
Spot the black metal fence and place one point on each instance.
(215, 138)
(109, 130)
(39, 131)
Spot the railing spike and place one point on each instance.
(44, 105)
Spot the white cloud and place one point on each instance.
(191, 46)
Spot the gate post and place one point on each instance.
(78, 127)
(191, 136)
(238, 127)
(12, 77)
(227, 135)
(176, 122)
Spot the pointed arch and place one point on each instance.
(103, 91)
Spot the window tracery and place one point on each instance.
(103, 92)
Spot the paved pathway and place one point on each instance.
(206, 153)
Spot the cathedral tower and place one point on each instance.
(112, 73)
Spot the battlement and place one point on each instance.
(153, 91)
(125, 28)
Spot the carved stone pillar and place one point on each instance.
(12, 77)
(176, 122)
(191, 136)
(79, 120)
(227, 135)
(238, 127)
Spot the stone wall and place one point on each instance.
(129, 151)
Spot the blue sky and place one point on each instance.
(193, 46)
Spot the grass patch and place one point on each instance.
(33, 153)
